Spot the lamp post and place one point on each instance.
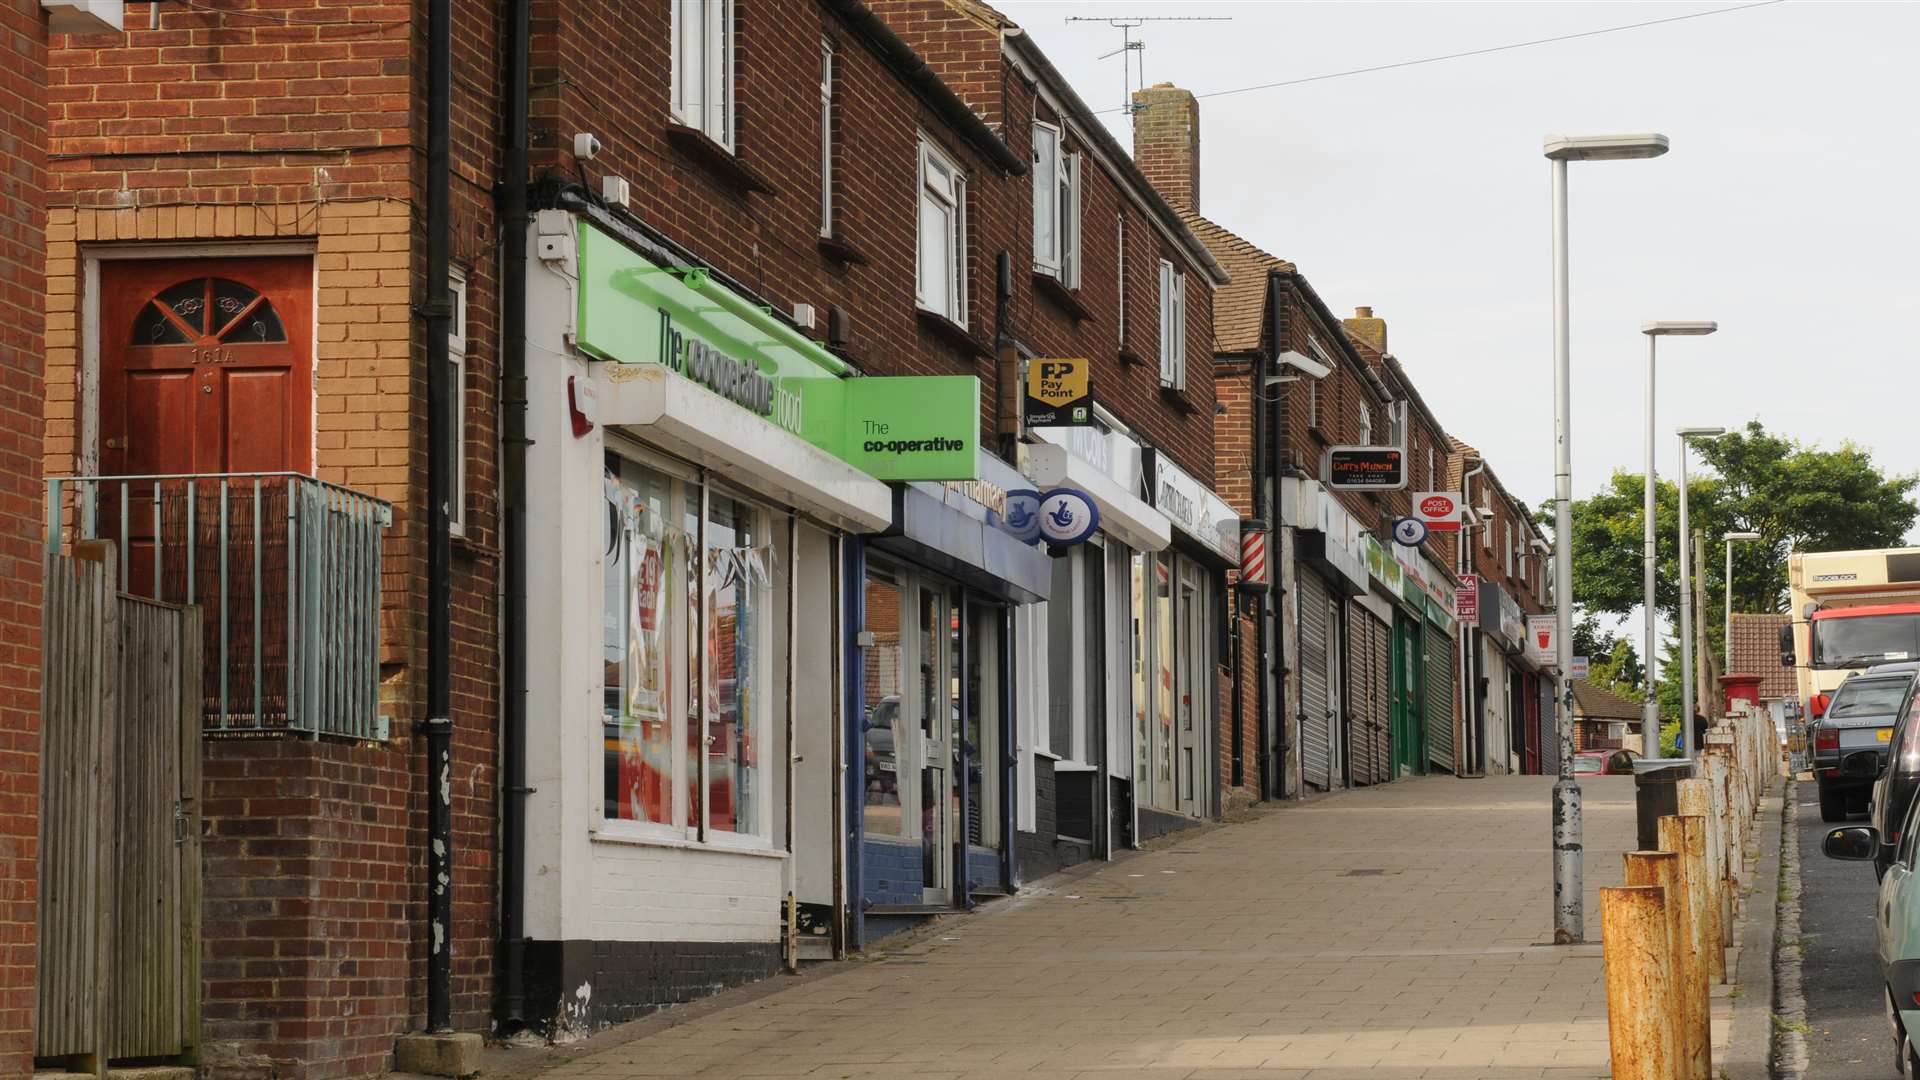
(1650, 710)
(1686, 593)
(1569, 908)
(1726, 629)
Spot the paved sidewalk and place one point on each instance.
(1388, 933)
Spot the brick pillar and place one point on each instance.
(1166, 142)
(23, 131)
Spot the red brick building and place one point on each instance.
(23, 56)
(235, 276)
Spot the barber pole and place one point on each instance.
(1254, 575)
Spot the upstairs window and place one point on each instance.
(1120, 271)
(1366, 425)
(1173, 327)
(1056, 205)
(941, 281)
(703, 67)
(1508, 546)
(457, 376)
(826, 138)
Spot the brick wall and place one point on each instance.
(199, 128)
(1166, 142)
(22, 264)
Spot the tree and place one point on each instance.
(1612, 661)
(1797, 497)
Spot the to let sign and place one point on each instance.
(1059, 393)
(1366, 467)
(1466, 600)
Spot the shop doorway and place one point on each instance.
(1409, 734)
(933, 705)
(1192, 664)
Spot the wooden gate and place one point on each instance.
(119, 819)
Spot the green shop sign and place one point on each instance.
(902, 427)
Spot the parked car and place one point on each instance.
(1604, 762)
(1850, 739)
(882, 763)
(1893, 792)
(1898, 915)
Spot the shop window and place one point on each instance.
(1076, 652)
(941, 278)
(687, 665)
(826, 138)
(1173, 327)
(881, 702)
(1056, 205)
(702, 35)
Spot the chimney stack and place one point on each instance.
(1368, 329)
(1166, 143)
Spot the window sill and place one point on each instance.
(1129, 357)
(1048, 754)
(1177, 398)
(1074, 766)
(842, 251)
(474, 549)
(601, 836)
(1315, 431)
(717, 159)
(953, 332)
(1064, 298)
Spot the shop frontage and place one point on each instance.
(1503, 706)
(697, 489)
(1087, 678)
(941, 594)
(1330, 568)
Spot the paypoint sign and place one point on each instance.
(1059, 393)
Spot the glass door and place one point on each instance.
(937, 706)
(980, 725)
(1193, 684)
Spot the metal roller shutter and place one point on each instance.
(1369, 753)
(1316, 731)
(1439, 702)
(1384, 660)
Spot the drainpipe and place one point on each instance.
(1274, 750)
(1470, 697)
(442, 428)
(513, 453)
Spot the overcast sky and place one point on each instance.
(1785, 210)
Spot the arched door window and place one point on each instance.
(208, 311)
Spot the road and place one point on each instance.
(1384, 934)
(1839, 970)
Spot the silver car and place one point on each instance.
(1850, 739)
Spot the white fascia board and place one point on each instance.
(686, 418)
(1126, 516)
(85, 16)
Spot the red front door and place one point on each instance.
(205, 367)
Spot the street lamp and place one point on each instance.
(1686, 593)
(1726, 583)
(1569, 908)
(1650, 710)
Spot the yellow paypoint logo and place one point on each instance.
(1057, 382)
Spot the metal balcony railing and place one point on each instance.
(287, 569)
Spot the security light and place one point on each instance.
(1678, 329)
(1699, 432)
(1303, 363)
(1604, 147)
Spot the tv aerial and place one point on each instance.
(1130, 47)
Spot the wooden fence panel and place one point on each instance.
(119, 827)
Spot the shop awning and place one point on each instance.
(687, 419)
(1122, 513)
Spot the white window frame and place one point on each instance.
(826, 137)
(701, 95)
(1173, 327)
(1120, 274)
(1433, 482)
(952, 199)
(1507, 535)
(1486, 530)
(1049, 168)
(685, 829)
(1366, 425)
(457, 359)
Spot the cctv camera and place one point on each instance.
(586, 145)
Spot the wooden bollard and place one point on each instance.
(1692, 1009)
(1641, 1029)
(1686, 836)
